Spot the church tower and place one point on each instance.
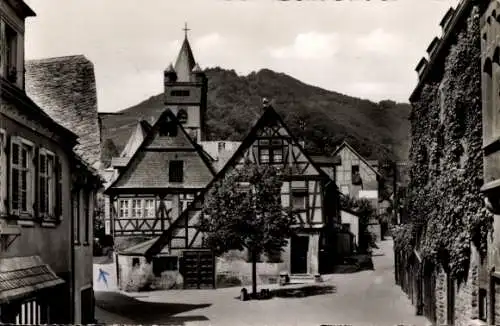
(186, 91)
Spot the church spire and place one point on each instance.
(185, 60)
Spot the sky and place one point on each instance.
(367, 49)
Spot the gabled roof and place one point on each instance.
(185, 62)
(65, 88)
(142, 169)
(346, 144)
(269, 115)
(136, 138)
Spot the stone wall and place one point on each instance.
(140, 277)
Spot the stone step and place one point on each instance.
(303, 278)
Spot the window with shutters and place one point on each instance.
(3, 174)
(11, 42)
(87, 217)
(176, 171)
(75, 197)
(22, 177)
(46, 185)
(58, 184)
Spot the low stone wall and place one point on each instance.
(133, 278)
(234, 265)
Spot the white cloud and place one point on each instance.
(380, 42)
(310, 45)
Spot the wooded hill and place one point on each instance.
(320, 117)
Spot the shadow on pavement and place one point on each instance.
(295, 292)
(146, 312)
(302, 292)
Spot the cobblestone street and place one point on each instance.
(364, 298)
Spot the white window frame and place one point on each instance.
(150, 208)
(50, 185)
(122, 209)
(30, 182)
(139, 207)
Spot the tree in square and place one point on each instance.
(244, 210)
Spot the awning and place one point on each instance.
(141, 248)
(20, 276)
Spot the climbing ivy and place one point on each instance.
(444, 203)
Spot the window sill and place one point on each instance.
(76, 243)
(26, 223)
(86, 244)
(47, 224)
(491, 146)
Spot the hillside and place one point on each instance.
(323, 118)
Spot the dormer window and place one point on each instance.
(180, 92)
(182, 116)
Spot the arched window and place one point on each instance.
(182, 116)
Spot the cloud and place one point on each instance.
(380, 42)
(311, 45)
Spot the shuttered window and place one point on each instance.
(21, 176)
(46, 185)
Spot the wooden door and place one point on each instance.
(298, 259)
(198, 269)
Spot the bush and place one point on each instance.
(224, 281)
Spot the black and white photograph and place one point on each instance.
(250, 162)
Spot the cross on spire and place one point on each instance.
(185, 29)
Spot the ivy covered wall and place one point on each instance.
(445, 206)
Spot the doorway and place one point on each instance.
(299, 249)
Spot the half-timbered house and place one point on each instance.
(155, 187)
(308, 190)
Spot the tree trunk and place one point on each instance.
(254, 273)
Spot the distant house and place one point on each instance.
(359, 178)
(44, 274)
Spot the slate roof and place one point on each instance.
(141, 130)
(185, 62)
(20, 276)
(66, 90)
(148, 167)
